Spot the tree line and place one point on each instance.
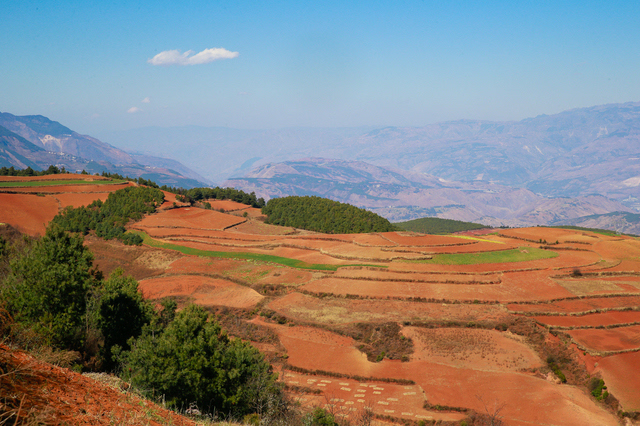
(109, 218)
(323, 215)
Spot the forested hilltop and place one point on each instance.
(323, 215)
(436, 225)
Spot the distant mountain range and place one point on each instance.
(575, 153)
(37, 142)
(544, 170)
(401, 195)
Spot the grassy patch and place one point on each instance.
(521, 254)
(18, 184)
(292, 263)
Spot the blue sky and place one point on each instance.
(321, 64)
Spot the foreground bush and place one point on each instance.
(194, 362)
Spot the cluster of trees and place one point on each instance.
(435, 225)
(50, 290)
(199, 194)
(323, 215)
(11, 171)
(109, 218)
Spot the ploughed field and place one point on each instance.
(415, 327)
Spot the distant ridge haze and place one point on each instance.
(579, 152)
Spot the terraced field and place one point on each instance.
(416, 327)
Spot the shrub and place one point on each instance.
(47, 287)
(194, 361)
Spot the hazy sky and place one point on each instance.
(111, 65)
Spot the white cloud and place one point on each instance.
(133, 110)
(174, 57)
(146, 100)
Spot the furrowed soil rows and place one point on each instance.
(80, 199)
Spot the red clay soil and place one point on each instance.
(257, 227)
(592, 320)
(227, 205)
(517, 286)
(342, 311)
(614, 339)
(79, 199)
(88, 187)
(578, 305)
(51, 395)
(383, 274)
(345, 398)
(204, 291)
(551, 235)
(617, 373)
(526, 399)
(190, 217)
(66, 176)
(29, 214)
(475, 349)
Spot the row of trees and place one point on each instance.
(323, 215)
(199, 194)
(109, 218)
(11, 171)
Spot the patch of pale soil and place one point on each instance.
(158, 259)
(585, 286)
(342, 311)
(475, 349)
(201, 290)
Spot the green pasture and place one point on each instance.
(521, 254)
(292, 263)
(36, 183)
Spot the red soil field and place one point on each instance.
(89, 187)
(617, 371)
(190, 218)
(27, 213)
(203, 291)
(342, 311)
(390, 275)
(578, 305)
(614, 339)
(592, 320)
(551, 235)
(346, 397)
(517, 286)
(259, 228)
(227, 205)
(486, 350)
(66, 176)
(79, 199)
(213, 234)
(526, 399)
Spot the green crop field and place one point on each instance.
(521, 254)
(36, 183)
(292, 263)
